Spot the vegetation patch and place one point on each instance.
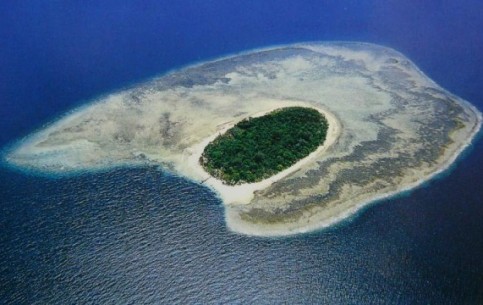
(257, 148)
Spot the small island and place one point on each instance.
(373, 126)
(258, 148)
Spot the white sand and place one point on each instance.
(243, 194)
(329, 216)
(369, 94)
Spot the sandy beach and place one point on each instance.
(325, 218)
(243, 194)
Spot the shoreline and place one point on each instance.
(117, 130)
(236, 225)
(242, 194)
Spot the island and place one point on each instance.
(389, 128)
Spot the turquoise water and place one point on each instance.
(141, 236)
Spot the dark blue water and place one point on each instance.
(134, 236)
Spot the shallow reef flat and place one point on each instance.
(395, 129)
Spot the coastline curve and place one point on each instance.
(392, 129)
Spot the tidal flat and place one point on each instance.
(395, 129)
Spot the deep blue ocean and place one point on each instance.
(142, 236)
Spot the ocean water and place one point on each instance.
(141, 236)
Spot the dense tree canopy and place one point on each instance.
(257, 148)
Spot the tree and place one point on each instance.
(256, 148)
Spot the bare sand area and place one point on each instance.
(243, 193)
(390, 129)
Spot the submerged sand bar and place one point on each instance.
(390, 128)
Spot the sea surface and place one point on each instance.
(143, 236)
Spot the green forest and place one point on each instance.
(257, 148)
